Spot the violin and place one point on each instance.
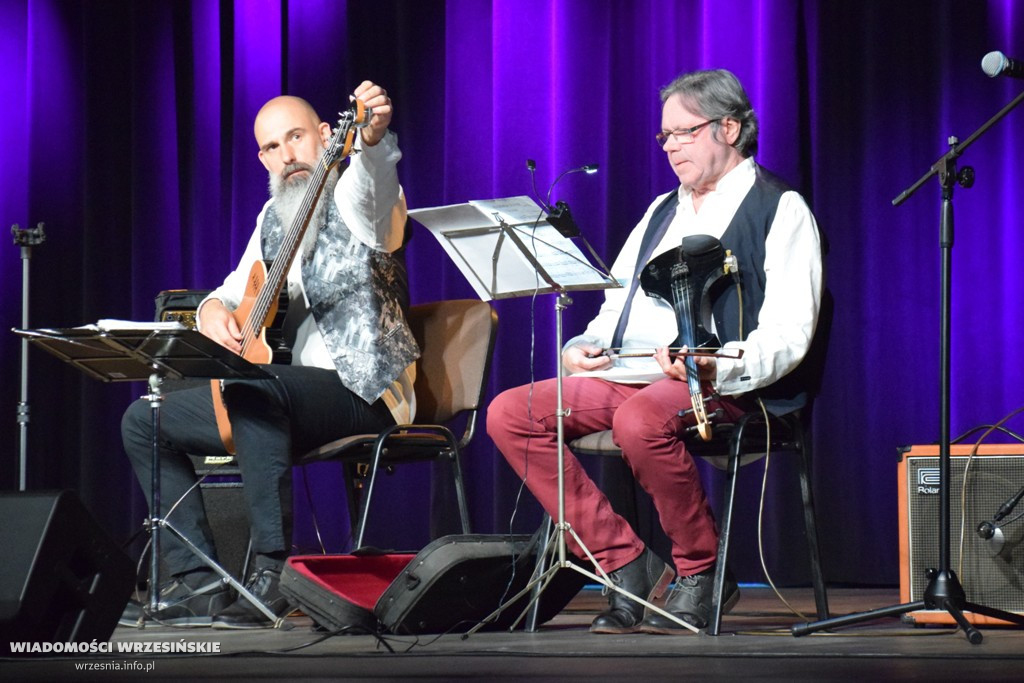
(683, 277)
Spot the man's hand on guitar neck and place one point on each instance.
(219, 324)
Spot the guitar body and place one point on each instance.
(268, 344)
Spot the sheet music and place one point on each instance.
(560, 256)
(513, 210)
(497, 263)
(113, 324)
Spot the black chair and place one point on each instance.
(734, 444)
(456, 340)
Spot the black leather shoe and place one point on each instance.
(180, 605)
(265, 584)
(646, 577)
(691, 601)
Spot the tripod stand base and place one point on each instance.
(541, 579)
(225, 578)
(944, 593)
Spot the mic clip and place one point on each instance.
(561, 219)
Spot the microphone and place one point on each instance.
(559, 215)
(988, 530)
(997, 64)
(1007, 507)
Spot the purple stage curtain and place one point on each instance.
(127, 129)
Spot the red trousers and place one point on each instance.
(645, 423)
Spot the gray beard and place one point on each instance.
(288, 194)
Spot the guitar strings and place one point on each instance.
(254, 322)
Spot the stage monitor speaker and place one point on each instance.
(62, 578)
(993, 569)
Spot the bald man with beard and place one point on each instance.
(347, 292)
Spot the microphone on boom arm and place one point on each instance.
(997, 64)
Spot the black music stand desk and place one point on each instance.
(122, 351)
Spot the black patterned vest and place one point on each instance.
(356, 295)
(746, 236)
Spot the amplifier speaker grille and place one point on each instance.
(993, 570)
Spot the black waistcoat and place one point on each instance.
(356, 295)
(745, 237)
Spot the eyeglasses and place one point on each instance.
(682, 136)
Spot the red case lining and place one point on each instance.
(359, 579)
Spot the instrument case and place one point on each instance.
(451, 584)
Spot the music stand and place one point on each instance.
(120, 351)
(541, 260)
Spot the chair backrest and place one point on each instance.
(791, 425)
(456, 341)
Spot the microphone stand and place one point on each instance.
(26, 239)
(944, 591)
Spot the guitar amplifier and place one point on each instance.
(992, 571)
(179, 305)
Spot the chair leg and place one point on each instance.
(378, 450)
(723, 539)
(817, 576)
(248, 560)
(354, 499)
(460, 490)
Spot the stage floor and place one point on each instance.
(755, 645)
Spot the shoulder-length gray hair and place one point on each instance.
(717, 94)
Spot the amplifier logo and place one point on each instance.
(928, 480)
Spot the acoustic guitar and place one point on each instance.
(261, 302)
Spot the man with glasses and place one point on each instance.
(709, 136)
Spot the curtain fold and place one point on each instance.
(128, 132)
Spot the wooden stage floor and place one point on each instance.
(755, 646)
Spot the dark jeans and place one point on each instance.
(272, 421)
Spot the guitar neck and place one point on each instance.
(293, 238)
(338, 147)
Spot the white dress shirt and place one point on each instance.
(792, 299)
(372, 205)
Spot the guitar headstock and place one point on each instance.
(340, 145)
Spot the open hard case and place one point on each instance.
(450, 585)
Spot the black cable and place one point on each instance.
(978, 428)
